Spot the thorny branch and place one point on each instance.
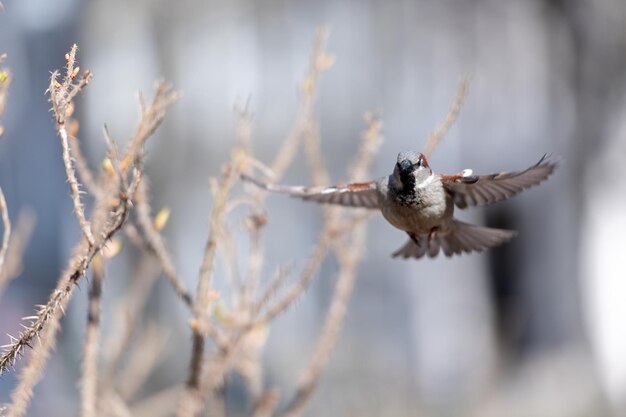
(110, 213)
(61, 96)
(226, 337)
(89, 383)
(46, 323)
(82, 167)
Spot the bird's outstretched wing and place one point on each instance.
(477, 190)
(362, 195)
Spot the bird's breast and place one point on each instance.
(430, 208)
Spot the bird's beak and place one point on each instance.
(405, 165)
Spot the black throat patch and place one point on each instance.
(406, 195)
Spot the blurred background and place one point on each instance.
(534, 328)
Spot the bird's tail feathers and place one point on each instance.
(460, 237)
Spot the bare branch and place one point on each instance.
(320, 61)
(305, 279)
(453, 113)
(89, 383)
(128, 311)
(82, 167)
(154, 243)
(192, 398)
(17, 245)
(110, 213)
(161, 404)
(304, 126)
(6, 232)
(254, 223)
(271, 289)
(74, 186)
(5, 80)
(141, 363)
(150, 119)
(61, 96)
(77, 267)
(266, 405)
(348, 263)
(349, 255)
(31, 373)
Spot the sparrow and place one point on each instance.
(421, 203)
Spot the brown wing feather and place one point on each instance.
(487, 189)
(362, 195)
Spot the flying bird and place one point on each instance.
(421, 203)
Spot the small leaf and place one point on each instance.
(306, 85)
(160, 220)
(73, 128)
(112, 248)
(107, 166)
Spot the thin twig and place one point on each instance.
(6, 232)
(115, 405)
(305, 279)
(349, 254)
(89, 384)
(128, 311)
(154, 243)
(254, 223)
(150, 118)
(77, 267)
(75, 188)
(319, 61)
(453, 113)
(348, 263)
(161, 404)
(255, 262)
(271, 289)
(266, 405)
(17, 245)
(82, 167)
(31, 373)
(193, 398)
(231, 255)
(61, 96)
(5, 81)
(309, 88)
(149, 350)
(109, 215)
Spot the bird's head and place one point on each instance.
(411, 169)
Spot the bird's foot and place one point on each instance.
(433, 233)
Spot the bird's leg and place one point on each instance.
(433, 233)
(414, 238)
